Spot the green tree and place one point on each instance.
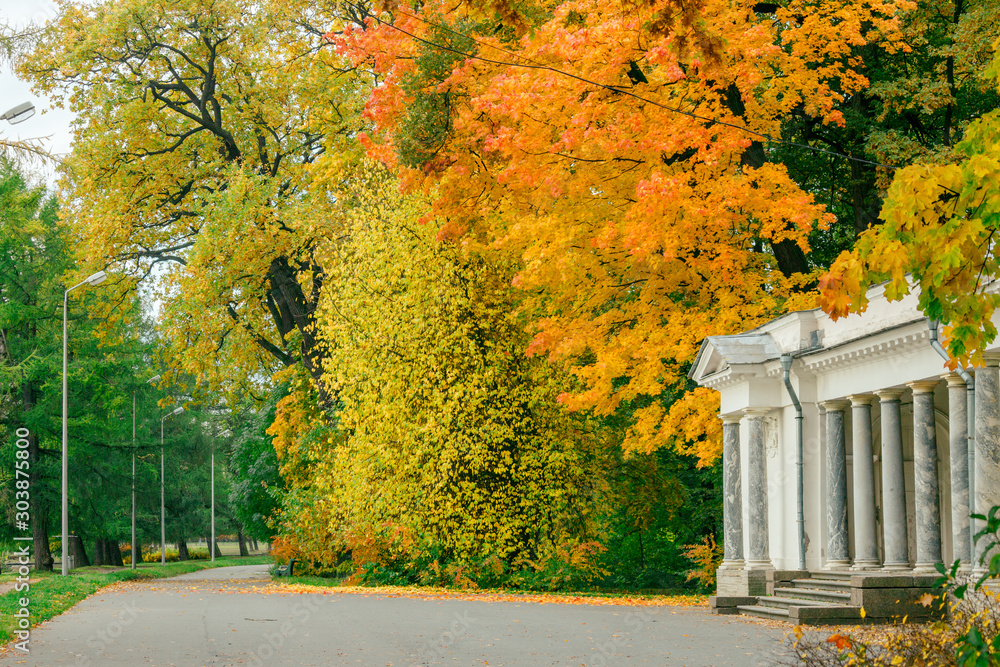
(257, 488)
(33, 258)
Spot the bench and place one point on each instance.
(285, 570)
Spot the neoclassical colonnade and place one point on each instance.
(746, 464)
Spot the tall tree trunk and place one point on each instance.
(253, 544)
(115, 553)
(218, 551)
(100, 552)
(292, 308)
(77, 551)
(790, 257)
(243, 544)
(182, 549)
(39, 517)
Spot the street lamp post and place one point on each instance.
(163, 513)
(92, 280)
(135, 550)
(212, 546)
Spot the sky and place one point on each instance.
(49, 123)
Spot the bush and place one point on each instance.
(968, 635)
(566, 567)
(706, 556)
(154, 556)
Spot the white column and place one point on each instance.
(893, 484)
(732, 494)
(959, 457)
(758, 554)
(865, 527)
(925, 476)
(837, 555)
(987, 447)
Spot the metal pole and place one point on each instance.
(212, 545)
(93, 279)
(163, 514)
(65, 439)
(133, 482)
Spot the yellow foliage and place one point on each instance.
(706, 557)
(446, 437)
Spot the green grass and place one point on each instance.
(53, 594)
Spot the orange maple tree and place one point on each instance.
(620, 153)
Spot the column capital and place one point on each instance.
(835, 404)
(858, 400)
(733, 418)
(756, 412)
(954, 380)
(991, 360)
(923, 386)
(891, 394)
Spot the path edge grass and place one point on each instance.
(50, 594)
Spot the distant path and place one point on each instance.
(231, 573)
(235, 616)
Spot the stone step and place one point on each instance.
(827, 614)
(836, 575)
(814, 594)
(823, 584)
(784, 602)
(806, 614)
(761, 611)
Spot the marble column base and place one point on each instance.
(838, 565)
(895, 567)
(759, 565)
(866, 565)
(924, 568)
(732, 565)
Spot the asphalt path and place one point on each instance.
(237, 616)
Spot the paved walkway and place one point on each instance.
(235, 616)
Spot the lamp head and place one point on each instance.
(179, 409)
(96, 279)
(155, 378)
(19, 113)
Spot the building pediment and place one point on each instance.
(719, 353)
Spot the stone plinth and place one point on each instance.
(741, 583)
(888, 596)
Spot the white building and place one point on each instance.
(884, 445)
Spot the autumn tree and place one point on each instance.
(197, 123)
(938, 236)
(448, 438)
(624, 157)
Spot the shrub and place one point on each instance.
(706, 556)
(968, 635)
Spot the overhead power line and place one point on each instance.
(530, 64)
